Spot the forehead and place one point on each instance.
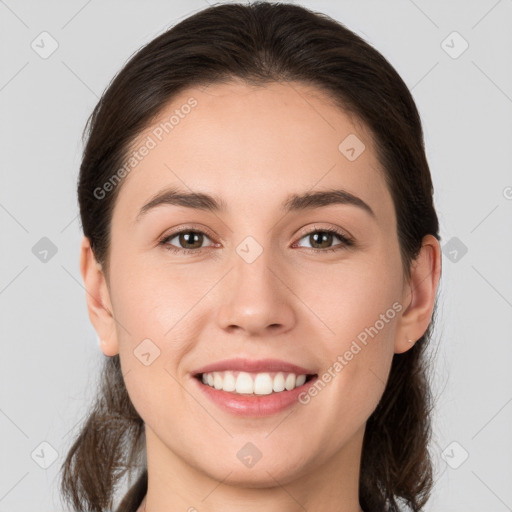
(252, 145)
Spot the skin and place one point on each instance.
(252, 146)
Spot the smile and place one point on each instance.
(246, 383)
(244, 399)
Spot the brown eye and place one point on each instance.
(322, 239)
(319, 239)
(190, 239)
(187, 240)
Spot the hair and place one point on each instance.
(259, 44)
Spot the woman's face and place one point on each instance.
(256, 279)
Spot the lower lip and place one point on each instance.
(254, 405)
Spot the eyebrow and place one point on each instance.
(294, 202)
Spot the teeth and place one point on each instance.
(229, 383)
(278, 382)
(290, 381)
(246, 383)
(217, 380)
(263, 384)
(300, 380)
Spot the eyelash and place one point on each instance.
(346, 241)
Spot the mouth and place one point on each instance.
(254, 383)
(250, 394)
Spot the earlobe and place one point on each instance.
(419, 295)
(98, 301)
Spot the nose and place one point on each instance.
(256, 297)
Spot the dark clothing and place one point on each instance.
(131, 502)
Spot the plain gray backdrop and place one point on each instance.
(56, 59)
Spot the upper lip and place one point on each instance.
(253, 365)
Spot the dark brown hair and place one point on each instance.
(261, 43)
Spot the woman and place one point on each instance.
(261, 257)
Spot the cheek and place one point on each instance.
(151, 299)
(355, 364)
(356, 299)
(360, 306)
(159, 317)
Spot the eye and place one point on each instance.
(319, 238)
(190, 239)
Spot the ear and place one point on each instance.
(419, 293)
(98, 300)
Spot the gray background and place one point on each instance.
(50, 356)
